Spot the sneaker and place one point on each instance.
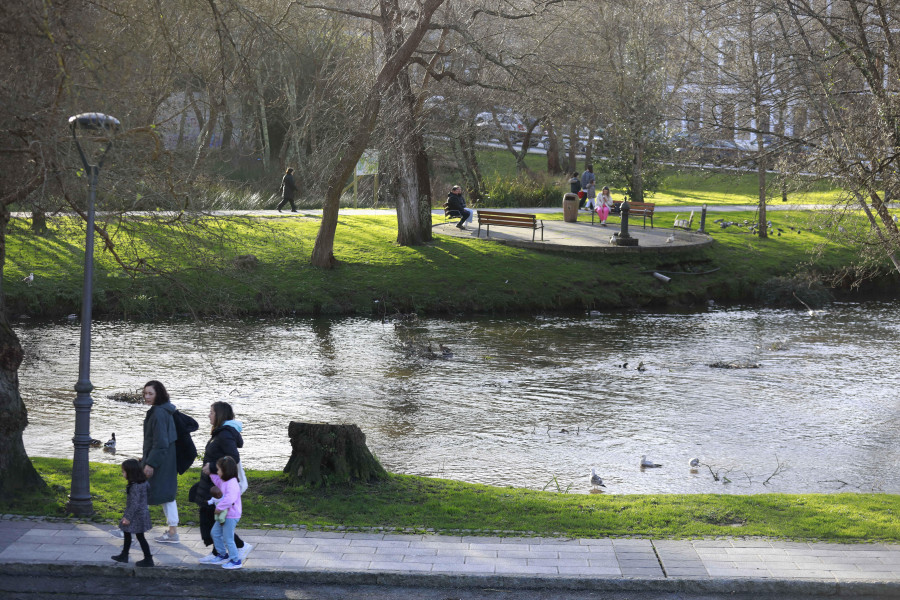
(147, 562)
(243, 552)
(167, 538)
(210, 559)
(233, 564)
(221, 560)
(121, 557)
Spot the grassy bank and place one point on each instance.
(422, 503)
(375, 276)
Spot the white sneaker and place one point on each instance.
(209, 559)
(221, 560)
(168, 539)
(233, 564)
(243, 552)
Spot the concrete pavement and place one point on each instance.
(292, 553)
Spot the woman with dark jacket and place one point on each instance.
(225, 441)
(158, 458)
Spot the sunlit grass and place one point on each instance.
(423, 503)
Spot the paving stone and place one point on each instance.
(593, 571)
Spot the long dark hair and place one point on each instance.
(162, 396)
(134, 473)
(223, 412)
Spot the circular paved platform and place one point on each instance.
(581, 236)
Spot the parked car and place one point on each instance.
(508, 122)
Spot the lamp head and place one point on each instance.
(94, 121)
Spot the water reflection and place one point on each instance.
(495, 411)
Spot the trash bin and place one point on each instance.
(570, 207)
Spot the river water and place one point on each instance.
(528, 402)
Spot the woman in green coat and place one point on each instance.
(159, 456)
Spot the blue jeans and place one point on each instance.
(223, 538)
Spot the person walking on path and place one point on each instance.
(136, 518)
(288, 189)
(158, 457)
(587, 184)
(604, 205)
(457, 203)
(230, 506)
(225, 440)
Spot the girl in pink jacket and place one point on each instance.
(230, 506)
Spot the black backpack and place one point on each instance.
(185, 450)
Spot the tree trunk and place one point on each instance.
(17, 474)
(323, 249)
(324, 454)
(554, 167)
(761, 179)
(637, 169)
(38, 221)
(589, 149)
(573, 147)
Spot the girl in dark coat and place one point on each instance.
(159, 456)
(136, 518)
(288, 188)
(225, 441)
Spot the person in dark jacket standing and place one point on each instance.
(158, 457)
(288, 189)
(456, 202)
(224, 441)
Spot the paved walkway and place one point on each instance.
(422, 560)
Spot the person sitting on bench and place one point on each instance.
(456, 203)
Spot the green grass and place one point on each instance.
(687, 187)
(375, 275)
(422, 503)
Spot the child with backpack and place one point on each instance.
(136, 518)
(229, 506)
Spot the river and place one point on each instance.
(529, 402)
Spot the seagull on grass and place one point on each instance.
(28, 279)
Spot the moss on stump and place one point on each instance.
(323, 454)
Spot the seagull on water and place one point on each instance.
(695, 462)
(595, 479)
(648, 463)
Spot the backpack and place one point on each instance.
(185, 450)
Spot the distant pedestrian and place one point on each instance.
(456, 203)
(158, 459)
(575, 188)
(229, 506)
(587, 184)
(136, 518)
(288, 189)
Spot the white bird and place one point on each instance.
(72, 317)
(595, 479)
(670, 239)
(111, 444)
(695, 462)
(28, 279)
(648, 463)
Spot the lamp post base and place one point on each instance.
(80, 507)
(625, 241)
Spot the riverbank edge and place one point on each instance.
(424, 505)
(445, 277)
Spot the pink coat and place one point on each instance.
(231, 496)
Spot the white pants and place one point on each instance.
(170, 510)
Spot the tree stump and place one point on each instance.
(323, 454)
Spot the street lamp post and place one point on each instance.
(80, 503)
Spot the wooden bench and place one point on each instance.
(637, 209)
(642, 209)
(507, 219)
(684, 223)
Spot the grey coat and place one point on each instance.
(159, 452)
(136, 510)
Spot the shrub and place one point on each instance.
(503, 192)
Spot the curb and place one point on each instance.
(743, 585)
